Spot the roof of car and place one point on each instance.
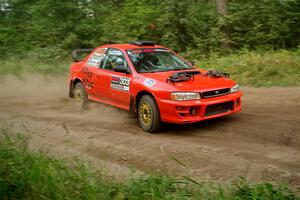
(128, 46)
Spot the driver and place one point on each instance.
(118, 61)
(147, 61)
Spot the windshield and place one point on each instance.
(156, 60)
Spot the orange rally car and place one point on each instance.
(153, 82)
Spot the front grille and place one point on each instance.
(214, 93)
(218, 108)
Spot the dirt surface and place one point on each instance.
(261, 143)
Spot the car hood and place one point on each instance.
(199, 84)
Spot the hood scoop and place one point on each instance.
(182, 76)
(216, 74)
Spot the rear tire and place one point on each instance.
(148, 114)
(80, 95)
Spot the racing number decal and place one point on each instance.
(124, 81)
(120, 83)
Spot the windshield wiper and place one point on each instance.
(177, 69)
(156, 70)
(151, 71)
(164, 70)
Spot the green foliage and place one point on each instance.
(268, 24)
(35, 175)
(265, 191)
(42, 33)
(35, 63)
(273, 68)
(182, 25)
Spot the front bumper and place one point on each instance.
(184, 112)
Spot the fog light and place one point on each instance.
(192, 111)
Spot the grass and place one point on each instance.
(269, 68)
(34, 175)
(273, 68)
(18, 66)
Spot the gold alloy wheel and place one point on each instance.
(145, 113)
(79, 96)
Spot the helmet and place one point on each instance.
(119, 61)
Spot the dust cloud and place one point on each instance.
(41, 93)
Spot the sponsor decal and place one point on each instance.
(120, 83)
(148, 82)
(178, 59)
(137, 51)
(87, 78)
(165, 50)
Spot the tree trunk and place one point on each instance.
(221, 6)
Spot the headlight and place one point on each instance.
(184, 96)
(235, 88)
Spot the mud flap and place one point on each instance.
(71, 95)
(132, 112)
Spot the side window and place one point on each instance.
(96, 58)
(113, 58)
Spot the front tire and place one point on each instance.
(80, 95)
(148, 114)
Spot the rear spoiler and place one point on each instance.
(76, 52)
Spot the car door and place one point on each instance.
(119, 83)
(93, 75)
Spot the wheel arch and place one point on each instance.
(155, 124)
(72, 85)
(139, 96)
